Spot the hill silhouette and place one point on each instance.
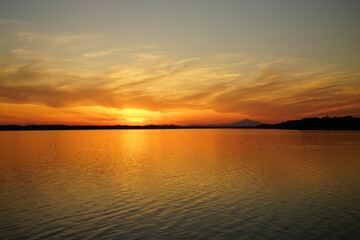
(243, 123)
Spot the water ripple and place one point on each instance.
(169, 184)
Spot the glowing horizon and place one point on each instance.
(147, 64)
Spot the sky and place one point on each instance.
(139, 62)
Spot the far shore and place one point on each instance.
(324, 123)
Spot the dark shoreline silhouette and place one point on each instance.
(324, 123)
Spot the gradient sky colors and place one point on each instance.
(177, 62)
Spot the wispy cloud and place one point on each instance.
(52, 39)
(101, 53)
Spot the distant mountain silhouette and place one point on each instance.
(243, 123)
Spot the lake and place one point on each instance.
(180, 184)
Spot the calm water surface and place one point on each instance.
(180, 184)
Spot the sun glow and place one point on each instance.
(136, 120)
(133, 116)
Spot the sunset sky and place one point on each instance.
(180, 62)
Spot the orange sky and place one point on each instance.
(54, 75)
(157, 89)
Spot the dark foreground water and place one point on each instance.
(180, 184)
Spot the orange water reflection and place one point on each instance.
(149, 176)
